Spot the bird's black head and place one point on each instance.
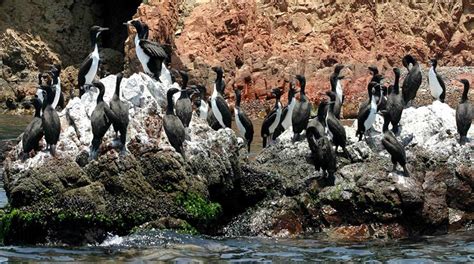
(407, 60)
(277, 92)
(374, 70)
(55, 69)
(300, 78)
(202, 90)
(99, 86)
(464, 81)
(292, 91)
(434, 62)
(218, 70)
(139, 26)
(172, 91)
(338, 68)
(45, 79)
(96, 30)
(238, 92)
(378, 78)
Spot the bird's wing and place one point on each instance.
(441, 82)
(269, 119)
(85, 66)
(153, 49)
(225, 110)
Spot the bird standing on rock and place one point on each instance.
(173, 126)
(301, 111)
(34, 131)
(412, 81)
(50, 120)
(391, 144)
(220, 108)
(150, 54)
(120, 109)
(335, 127)
(184, 107)
(336, 87)
(89, 67)
(202, 105)
(437, 87)
(244, 124)
(367, 113)
(272, 120)
(323, 154)
(464, 113)
(287, 112)
(100, 121)
(395, 103)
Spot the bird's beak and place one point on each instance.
(128, 23)
(103, 29)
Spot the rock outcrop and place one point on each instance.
(367, 199)
(72, 200)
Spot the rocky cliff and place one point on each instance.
(259, 43)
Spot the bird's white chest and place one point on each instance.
(203, 110)
(275, 123)
(240, 126)
(339, 90)
(435, 87)
(142, 57)
(94, 66)
(215, 109)
(287, 121)
(373, 111)
(57, 94)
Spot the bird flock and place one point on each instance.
(325, 133)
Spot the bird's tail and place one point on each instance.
(264, 142)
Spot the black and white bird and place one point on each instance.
(272, 119)
(220, 108)
(336, 87)
(173, 126)
(34, 131)
(120, 110)
(393, 146)
(287, 112)
(89, 67)
(184, 107)
(412, 81)
(202, 106)
(150, 54)
(100, 121)
(334, 126)
(437, 87)
(244, 124)
(464, 113)
(395, 103)
(374, 71)
(301, 111)
(50, 121)
(367, 113)
(58, 100)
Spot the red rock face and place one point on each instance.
(261, 43)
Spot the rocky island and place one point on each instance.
(217, 190)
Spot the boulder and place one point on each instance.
(76, 201)
(367, 199)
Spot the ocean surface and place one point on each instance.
(171, 247)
